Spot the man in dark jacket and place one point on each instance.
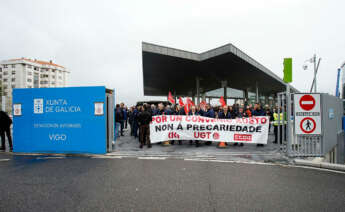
(118, 119)
(5, 127)
(144, 119)
(258, 111)
(224, 114)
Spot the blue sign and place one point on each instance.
(59, 120)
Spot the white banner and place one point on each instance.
(240, 130)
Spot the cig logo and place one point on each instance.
(38, 106)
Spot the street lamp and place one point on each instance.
(316, 67)
(337, 92)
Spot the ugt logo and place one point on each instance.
(173, 135)
(38, 106)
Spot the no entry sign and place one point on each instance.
(307, 114)
(307, 102)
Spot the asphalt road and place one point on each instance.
(87, 184)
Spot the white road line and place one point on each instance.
(44, 158)
(108, 157)
(3, 160)
(152, 158)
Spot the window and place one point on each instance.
(13, 66)
(0, 69)
(60, 77)
(44, 82)
(29, 86)
(29, 73)
(5, 93)
(5, 66)
(29, 66)
(13, 72)
(0, 76)
(29, 80)
(35, 68)
(5, 86)
(13, 86)
(13, 79)
(53, 70)
(53, 77)
(5, 80)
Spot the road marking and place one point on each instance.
(152, 158)
(43, 158)
(108, 157)
(3, 160)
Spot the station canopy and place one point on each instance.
(167, 69)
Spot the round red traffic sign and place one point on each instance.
(307, 102)
(308, 125)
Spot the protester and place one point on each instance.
(232, 112)
(249, 111)
(209, 113)
(124, 117)
(225, 114)
(194, 112)
(241, 114)
(258, 111)
(178, 111)
(144, 119)
(118, 120)
(5, 128)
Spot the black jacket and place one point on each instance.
(144, 118)
(5, 120)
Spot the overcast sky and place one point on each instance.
(100, 41)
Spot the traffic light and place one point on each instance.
(287, 70)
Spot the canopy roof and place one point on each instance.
(167, 69)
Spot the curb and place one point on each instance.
(324, 165)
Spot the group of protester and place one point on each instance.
(139, 117)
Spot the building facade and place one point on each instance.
(30, 73)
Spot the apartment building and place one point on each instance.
(30, 73)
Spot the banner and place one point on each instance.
(241, 130)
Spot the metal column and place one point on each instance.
(257, 92)
(198, 90)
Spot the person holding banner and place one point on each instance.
(194, 112)
(258, 111)
(224, 114)
(209, 113)
(163, 111)
(241, 114)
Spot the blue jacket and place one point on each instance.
(154, 112)
(124, 114)
(196, 113)
(168, 112)
(222, 115)
(260, 112)
(210, 113)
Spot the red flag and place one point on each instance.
(203, 105)
(187, 106)
(171, 98)
(180, 102)
(222, 102)
(190, 102)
